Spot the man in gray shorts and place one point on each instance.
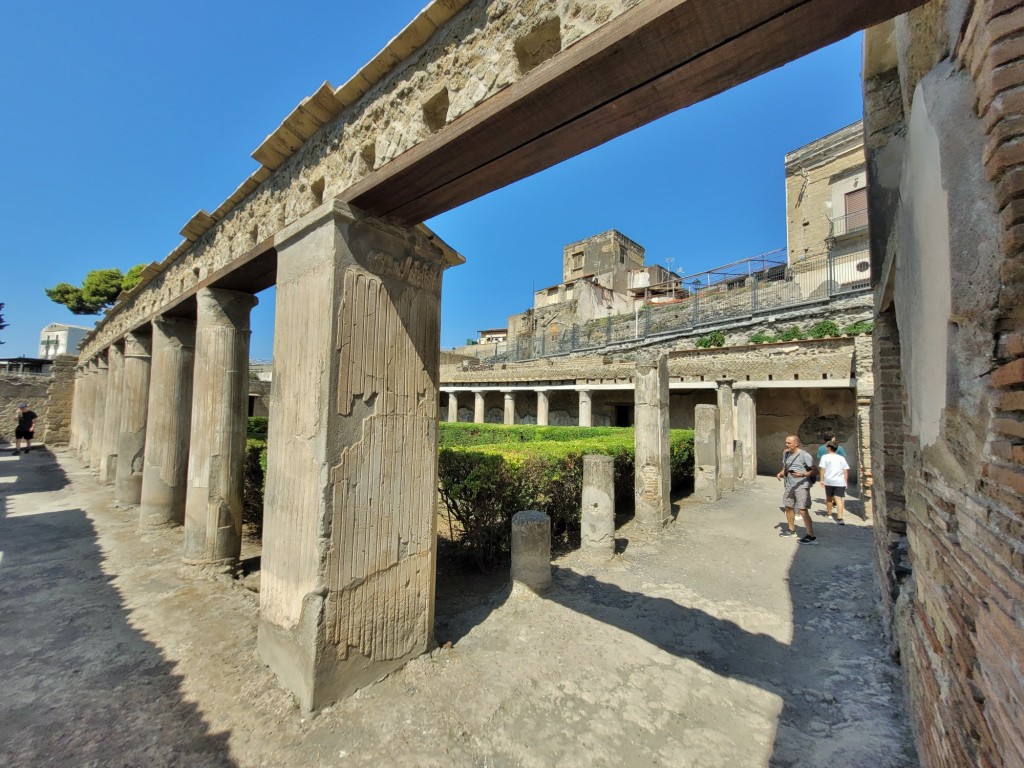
(796, 472)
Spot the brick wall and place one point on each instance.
(60, 398)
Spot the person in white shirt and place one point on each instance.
(835, 476)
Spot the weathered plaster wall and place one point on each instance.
(945, 134)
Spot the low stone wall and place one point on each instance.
(23, 387)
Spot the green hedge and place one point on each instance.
(253, 483)
(257, 428)
(488, 472)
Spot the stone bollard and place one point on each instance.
(705, 453)
(531, 551)
(597, 523)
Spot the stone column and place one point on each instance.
(92, 383)
(510, 406)
(350, 511)
(76, 410)
(169, 424)
(79, 420)
(112, 413)
(216, 461)
(597, 520)
(99, 411)
(531, 552)
(746, 431)
(586, 413)
(478, 407)
(653, 468)
(453, 406)
(705, 453)
(726, 437)
(542, 407)
(131, 440)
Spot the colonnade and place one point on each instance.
(542, 397)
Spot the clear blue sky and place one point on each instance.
(121, 119)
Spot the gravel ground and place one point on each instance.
(711, 643)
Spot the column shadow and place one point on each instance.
(80, 685)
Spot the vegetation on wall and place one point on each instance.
(2, 323)
(823, 329)
(713, 339)
(99, 290)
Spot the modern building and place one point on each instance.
(60, 339)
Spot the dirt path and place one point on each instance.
(712, 643)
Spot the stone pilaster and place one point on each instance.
(726, 437)
(131, 440)
(453, 406)
(169, 423)
(220, 387)
(112, 413)
(478, 407)
(586, 410)
(347, 589)
(99, 411)
(705, 453)
(542, 407)
(510, 406)
(653, 468)
(746, 431)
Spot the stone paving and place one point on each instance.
(711, 643)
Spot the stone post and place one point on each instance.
(90, 404)
(478, 407)
(586, 413)
(112, 413)
(216, 461)
(746, 430)
(510, 406)
(542, 407)
(726, 437)
(597, 523)
(169, 425)
(350, 511)
(705, 453)
(453, 407)
(98, 411)
(653, 468)
(531, 552)
(131, 440)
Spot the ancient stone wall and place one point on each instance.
(406, 94)
(59, 399)
(944, 99)
(17, 388)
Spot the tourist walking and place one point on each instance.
(827, 437)
(26, 428)
(797, 470)
(835, 476)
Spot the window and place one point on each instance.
(577, 261)
(856, 213)
(622, 255)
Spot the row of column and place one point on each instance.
(162, 415)
(543, 408)
(725, 442)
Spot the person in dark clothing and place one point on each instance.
(26, 428)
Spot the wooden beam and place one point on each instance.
(659, 57)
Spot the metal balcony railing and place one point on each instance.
(849, 224)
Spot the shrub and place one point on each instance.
(257, 429)
(713, 339)
(793, 333)
(761, 338)
(253, 483)
(861, 326)
(823, 329)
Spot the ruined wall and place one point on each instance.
(59, 399)
(17, 388)
(943, 105)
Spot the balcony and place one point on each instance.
(848, 225)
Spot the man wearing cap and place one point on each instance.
(26, 428)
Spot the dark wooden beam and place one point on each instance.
(659, 57)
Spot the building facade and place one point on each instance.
(60, 339)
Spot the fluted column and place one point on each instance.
(652, 463)
(213, 507)
(350, 511)
(99, 411)
(112, 413)
(542, 407)
(726, 437)
(586, 413)
(169, 422)
(76, 410)
(510, 406)
(453, 406)
(88, 412)
(131, 439)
